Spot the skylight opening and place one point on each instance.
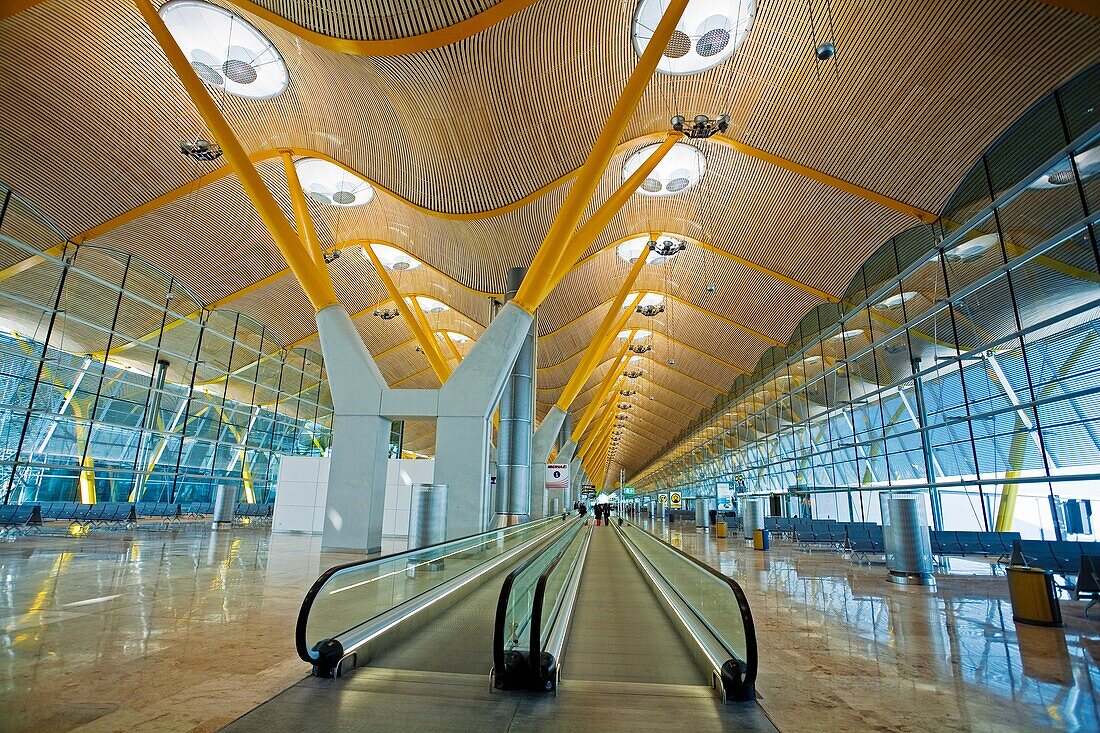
(331, 184)
(225, 50)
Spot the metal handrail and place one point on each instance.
(751, 662)
(301, 645)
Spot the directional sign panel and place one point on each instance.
(557, 476)
(674, 500)
(662, 498)
(628, 491)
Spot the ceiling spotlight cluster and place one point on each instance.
(667, 247)
(622, 417)
(632, 373)
(387, 313)
(625, 406)
(628, 392)
(331, 256)
(651, 310)
(701, 127)
(640, 348)
(201, 150)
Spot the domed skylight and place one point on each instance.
(632, 248)
(708, 33)
(647, 300)
(678, 171)
(1088, 165)
(226, 50)
(394, 259)
(458, 338)
(431, 305)
(972, 249)
(330, 184)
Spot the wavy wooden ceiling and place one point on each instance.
(92, 115)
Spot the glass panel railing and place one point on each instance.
(349, 596)
(717, 601)
(517, 639)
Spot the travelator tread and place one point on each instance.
(620, 632)
(459, 641)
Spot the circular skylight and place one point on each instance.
(647, 300)
(846, 335)
(972, 249)
(330, 184)
(1088, 164)
(708, 33)
(431, 305)
(634, 359)
(896, 301)
(394, 259)
(226, 50)
(458, 338)
(640, 333)
(631, 249)
(678, 171)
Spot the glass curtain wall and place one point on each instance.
(963, 359)
(117, 385)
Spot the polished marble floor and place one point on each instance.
(840, 644)
(187, 630)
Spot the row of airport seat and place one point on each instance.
(1062, 557)
(26, 517)
(20, 519)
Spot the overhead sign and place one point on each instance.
(557, 475)
(628, 491)
(674, 500)
(588, 489)
(662, 498)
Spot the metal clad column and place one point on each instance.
(513, 492)
(754, 515)
(905, 535)
(427, 521)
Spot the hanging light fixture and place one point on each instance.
(632, 373)
(387, 313)
(702, 126)
(628, 392)
(641, 348)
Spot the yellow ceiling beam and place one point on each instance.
(428, 344)
(838, 183)
(307, 233)
(584, 237)
(612, 323)
(451, 345)
(590, 413)
(1084, 7)
(317, 284)
(551, 254)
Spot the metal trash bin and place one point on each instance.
(225, 505)
(720, 529)
(427, 522)
(761, 539)
(1033, 598)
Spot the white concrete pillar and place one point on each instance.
(360, 438)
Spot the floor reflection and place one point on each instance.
(868, 654)
(112, 630)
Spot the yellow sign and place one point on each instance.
(674, 500)
(662, 498)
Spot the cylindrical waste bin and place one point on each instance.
(1033, 598)
(427, 521)
(720, 529)
(906, 540)
(761, 539)
(224, 505)
(754, 515)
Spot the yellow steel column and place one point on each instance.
(549, 254)
(427, 342)
(612, 323)
(591, 229)
(451, 345)
(590, 411)
(426, 327)
(307, 233)
(605, 420)
(316, 283)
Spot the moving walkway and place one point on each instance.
(561, 614)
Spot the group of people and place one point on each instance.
(602, 512)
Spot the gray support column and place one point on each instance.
(926, 448)
(512, 503)
(463, 428)
(360, 438)
(541, 445)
